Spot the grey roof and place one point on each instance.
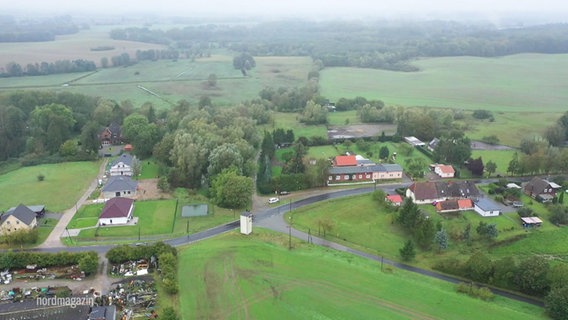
(103, 313)
(487, 205)
(22, 213)
(36, 209)
(391, 167)
(125, 158)
(120, 183)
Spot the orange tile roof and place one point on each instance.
(394, 198)
(465, 204)
(345, 161)
(446, 169)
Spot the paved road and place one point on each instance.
(272, 218)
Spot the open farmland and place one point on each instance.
(64, 183)
(256, 277)
(165, 82)
(71, 47)
(524, 82)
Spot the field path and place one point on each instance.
(54, 238)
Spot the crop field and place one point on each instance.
(71, 47)
(64, 183)
(165, 82)
(256, 277)
(518, 83)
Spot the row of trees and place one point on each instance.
(32, 30)
(88, 261)
(14, 69)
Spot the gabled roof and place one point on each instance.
(391, 167)
(36, 209)
(448, 205)
(538, 185)
(114, 128)
(424, 190)
(433, 143)
(117, 208)
(464, 204)
(487, 205)
(120, 183)
(394, 198)
(22, 213)
(355, 169)
(341, 161)
(125, 158)
(445, 168)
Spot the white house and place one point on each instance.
(120, 186)
(116, 211)
(444, 170)
(486, 208)
(122, 166)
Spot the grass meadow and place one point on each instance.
(517, 83)
(64, 183)
(233, 276)
(500, 157)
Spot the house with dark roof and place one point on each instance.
(541, 189)
(122, 166)
(433, 144)
(38, 209)
(20, 218)
(110, 135)
(120, 186)
(487, 208)
(117, 211)
(103, 313)
(430, 192)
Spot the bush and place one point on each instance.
(40, 177)
(472, 290)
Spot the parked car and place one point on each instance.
(273, 200)
(283, 193)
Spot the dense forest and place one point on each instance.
(13, 30)
(382, 45)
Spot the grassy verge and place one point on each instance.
(234, 276)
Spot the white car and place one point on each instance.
(273, 200)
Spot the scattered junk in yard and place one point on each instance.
(19, 294)
(131, 268)
(5, 277)
(31, 272)
(135, 298)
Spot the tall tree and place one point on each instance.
(231, 190)
(51, 125)
(490, 167)
(224, 157)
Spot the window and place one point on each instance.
(329, 178)
(346, 177)
(337, 177)
(368, 176)
(360, 176)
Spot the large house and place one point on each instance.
(110, 135)
(431, 192)
(20, 218)
(356, 168)
(117, 211)
(120, 186)
(121, 166)
(540, 189)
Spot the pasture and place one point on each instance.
(233, 276)
(518, 83)
(64, 183)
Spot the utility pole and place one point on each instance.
(138, 232)
(187, 229)
(289, 237)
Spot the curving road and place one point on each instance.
(272, 218)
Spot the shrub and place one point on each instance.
(40, 177)
(472, 290)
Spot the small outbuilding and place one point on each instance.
(486, 208)
(246, 223)
(531, 222)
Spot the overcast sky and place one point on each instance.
(378, 8)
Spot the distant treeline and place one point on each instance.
(14, 69)
(384, 45)
(12, 30)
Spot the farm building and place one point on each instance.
(20, 218)
(120, 186)
(531, 222)
(487, 208)
(444, 171)
(430, 192)
(122, 166)
(117, 211)
(413, 141)
(541, 190)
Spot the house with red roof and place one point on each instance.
(344, 161)
(117, 211)
(395, 199)
(444, 170)
(454, 205)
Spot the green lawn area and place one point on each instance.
(500, 157)
(149, 169)
(233, 276)
(500, 84)
(289, 121)
(87, 216)
(64, 183)
(45, 226)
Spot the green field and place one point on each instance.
(525, 82)
(87, 216)
(256, 277)
(64, 183)
(500, 157)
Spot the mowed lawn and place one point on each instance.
(500, 157)
(64, 184)
(87, 216)
(524, 82)
(233, 276)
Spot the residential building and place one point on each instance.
(117, 211)
(541, 189)
(345, 161)
(20, 218)
(454, 205)
(395, 199)
(444, 170)
(111, 135)
(122, 166)
(120, 186)
(430, 192)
